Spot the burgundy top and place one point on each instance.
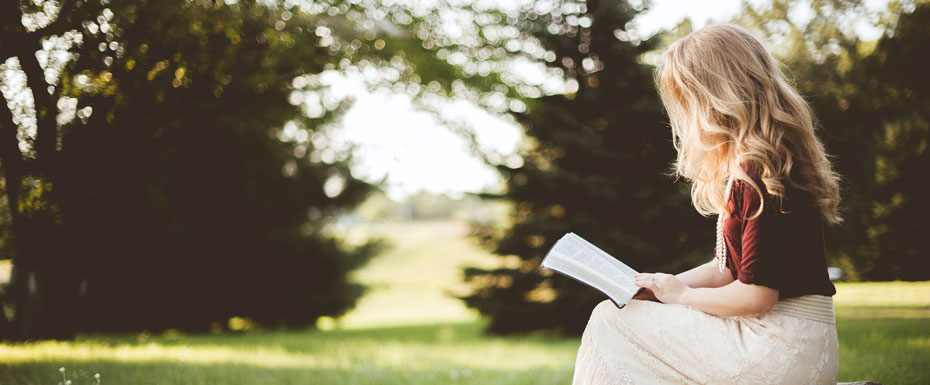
(782, 250)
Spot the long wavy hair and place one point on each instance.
(732, 110)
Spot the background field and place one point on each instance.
(408, 330)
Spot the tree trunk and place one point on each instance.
(12, 167)
(6, 328)
(44, 303)
(41, 290)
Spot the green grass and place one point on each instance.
(414, 282)
(884, 330)
(409, 331)
(422, 354)
(890, 350)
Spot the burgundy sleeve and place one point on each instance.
(763, 238)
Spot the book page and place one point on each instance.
(579, 259)
(626, 270)
(589, 277)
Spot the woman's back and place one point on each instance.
(782, 248)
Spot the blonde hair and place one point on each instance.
(731, 106)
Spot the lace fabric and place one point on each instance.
(653, 343)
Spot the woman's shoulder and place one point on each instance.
(748, 191)
(748, 196)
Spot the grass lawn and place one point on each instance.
(408, 331)
(422, 354)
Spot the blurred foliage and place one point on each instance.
(597, 166)
(427, 206)
(901, 208)
(195, 208)
(422, 205)
(177, 204)
(187, 142)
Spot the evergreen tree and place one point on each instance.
(598, 166)
(900, 85)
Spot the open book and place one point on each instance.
(579, 259)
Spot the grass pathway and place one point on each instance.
(416, 279)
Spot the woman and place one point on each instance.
(760, 312)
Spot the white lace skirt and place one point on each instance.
(652, 343)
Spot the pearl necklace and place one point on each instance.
(720, 253)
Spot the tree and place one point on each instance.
(204, 197)
(41, 293)
(598, 166)
(901, 98)
(172, 180)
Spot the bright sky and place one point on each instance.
(415, 153)
(412, 150)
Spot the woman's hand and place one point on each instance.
(666, 287)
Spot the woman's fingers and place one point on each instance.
(645, 280)
(661, 278)
(667, 288)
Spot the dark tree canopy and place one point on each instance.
(185, 189)
(181, 195)
(901, 85)
(165, 203)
